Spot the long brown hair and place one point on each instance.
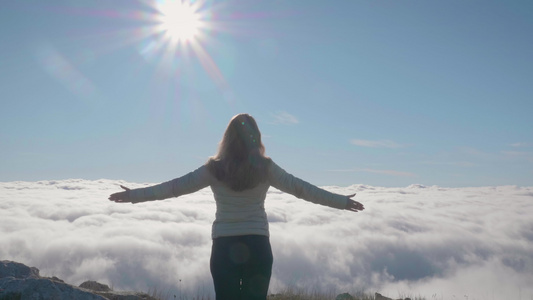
(240, 162)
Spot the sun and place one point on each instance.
(178, 20)
(177, 31)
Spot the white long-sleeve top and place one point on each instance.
(243, 212)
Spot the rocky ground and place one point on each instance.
(18, 281)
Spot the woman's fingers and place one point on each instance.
(354, 206)
(359, 205)
(114, 197)
(120, 197)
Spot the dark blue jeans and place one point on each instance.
(241, 267)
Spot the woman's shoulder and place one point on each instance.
(273, 168)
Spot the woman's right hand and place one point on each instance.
(353, 205)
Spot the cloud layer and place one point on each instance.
(431, 241)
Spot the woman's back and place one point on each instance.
(240, 176)
(240, 212)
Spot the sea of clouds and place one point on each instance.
(441, 243)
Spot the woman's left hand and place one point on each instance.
(121, 197)
(353, 205)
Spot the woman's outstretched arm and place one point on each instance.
(295, 186)
(186, 184)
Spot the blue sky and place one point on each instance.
(386, 93)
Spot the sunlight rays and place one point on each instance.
(175, 37)
(180, 31)
(178, 20)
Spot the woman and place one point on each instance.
(239, 176)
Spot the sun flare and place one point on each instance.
(178, 31)
(178, 20)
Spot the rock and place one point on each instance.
(18, 281)
(53, 278)
(344, 296)
(378, 296)
(95, 286)
(17, 270)
(42, 289)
